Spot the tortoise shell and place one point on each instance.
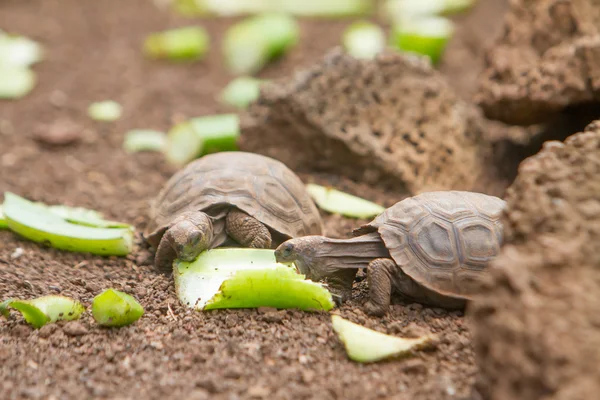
(260, 186)
(442, 240)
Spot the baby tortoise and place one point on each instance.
(229, 198)
(429, 248)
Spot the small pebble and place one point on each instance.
(307, 376)
(58, 98)
(232, 374)
(413, 330)
(92, 287)
(415, 366)
(47, 330)
(21, 330)
(302, 359)
(17, 253)
(209, 384)
(264, 310)
(198, 394)
(60, 133)
(74, 328)
(258, 391)
(273, 316)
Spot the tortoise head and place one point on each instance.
(190, 234)
(323, 259)
(304, 254)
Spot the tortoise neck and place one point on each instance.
(356, 252)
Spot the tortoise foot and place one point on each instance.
(375, 310)
(247, 230)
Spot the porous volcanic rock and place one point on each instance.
(393, 121)
(536, 326)
(547, 60)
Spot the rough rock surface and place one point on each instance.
(537, 327)
(547, 59)
(393, 121)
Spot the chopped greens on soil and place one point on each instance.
(16, 81)
(46, 309)
(113, 308)
(138, 140)
(405, 9)
(202, 135)
(328, 9)
(241, 91)
(19, 51)
(221, 8)
(337, 202)
(245, 278)
(251, 44)
(366, 345)
(38, 223)
(17, 54)
(107, 110)
(306, 8)
(426, 35)
(186, 43)
(364, 39)
(83, 216)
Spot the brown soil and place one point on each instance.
(545, 61)
(93, 53)
(537, 325)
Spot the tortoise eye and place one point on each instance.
(287, 250)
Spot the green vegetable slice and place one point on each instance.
(202, 135)
(304, 8)
(241, 91)
(337, 202)
(16, 81)
(3, 224)
(328, 9)
(105, 110)
(223, 8)
(19, 51)
(186, 43)
(250, 44)
(114, 308)
(75, 215)
(144, 140)
(423, 35)
(364, 39)
(366, 345)
(37, 223)
(46, 309)
(245, 278)
(183, 144)
(405, 9)
(84, 216)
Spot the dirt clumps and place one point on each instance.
(537, 327)
(393, 121)
(546, 60)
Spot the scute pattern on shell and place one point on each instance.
(443, 240)
(260, 186)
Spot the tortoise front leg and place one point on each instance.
(247, 230)
(379, 276)
(186, 237)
